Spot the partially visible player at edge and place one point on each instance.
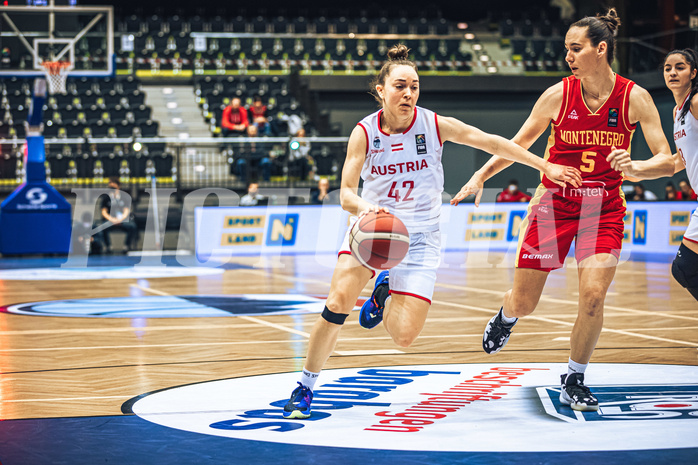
(592, 115)
(681, 77)
(397, 151)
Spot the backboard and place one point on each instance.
(80, 35)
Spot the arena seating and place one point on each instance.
(243, 56)
(92, 112)
(213, 94)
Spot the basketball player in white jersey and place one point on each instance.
(397, 152)
(681, 77)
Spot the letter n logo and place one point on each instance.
(640, 227)
(282, 229)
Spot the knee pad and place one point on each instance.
(685, 268)
(332, 317)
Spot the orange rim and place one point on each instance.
(55, 67)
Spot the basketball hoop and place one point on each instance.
(56, 75)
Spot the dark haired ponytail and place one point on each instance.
(692, 58)
(612, 20)
(602, 28)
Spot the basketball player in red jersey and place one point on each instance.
(593, 113)
(397, 151)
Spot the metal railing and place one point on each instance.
(185, 164)
(646, 53)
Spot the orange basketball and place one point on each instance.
(379, 240)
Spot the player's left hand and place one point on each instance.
(474, 186)
(619, 160)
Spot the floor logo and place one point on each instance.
(174, 306)
(450, 408)
(631, 403)
(106, 272)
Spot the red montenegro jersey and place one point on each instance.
(583, 139)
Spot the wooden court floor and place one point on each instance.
(54, 367)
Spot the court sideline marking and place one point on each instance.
(468, 307)
(277, 341)
(568, 302)
(244, 317)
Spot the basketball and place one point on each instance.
(379, 240)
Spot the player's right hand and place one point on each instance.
(373, 208)
(563, 175)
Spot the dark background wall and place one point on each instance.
(496, 108)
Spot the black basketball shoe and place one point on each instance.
(575, 394)
(496, 334)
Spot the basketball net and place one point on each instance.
(56, 75)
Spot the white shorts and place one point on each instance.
(416, 274)
(691, 233)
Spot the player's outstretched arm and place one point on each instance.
(643, 111)
(544, 111)
(461, 133)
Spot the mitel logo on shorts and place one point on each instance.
(459, 407)
(613, 118)
(573, 115)
(421, 141)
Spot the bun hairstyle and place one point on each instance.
(602, 28)
(692, 59)
(398, 52)
(397, 55)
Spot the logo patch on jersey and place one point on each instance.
(421, 141)
(573, 115)
(377, 142)
(613, 118)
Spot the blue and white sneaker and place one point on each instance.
(372, 310)
(298, 406)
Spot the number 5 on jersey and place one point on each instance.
(407, 187)
(588, 166)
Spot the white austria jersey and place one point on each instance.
(403, 172)
(686, 139)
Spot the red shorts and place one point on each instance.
(553, 221)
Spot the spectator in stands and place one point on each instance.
(642, 194)
(253, 197)
(258, 112)
(83, 240)
(321, 193)
(234, 121)
(117, 212)
(286, 124)
(300, 161)
(670, 193)
(252, 155)
(686, 192)
(512, 193)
